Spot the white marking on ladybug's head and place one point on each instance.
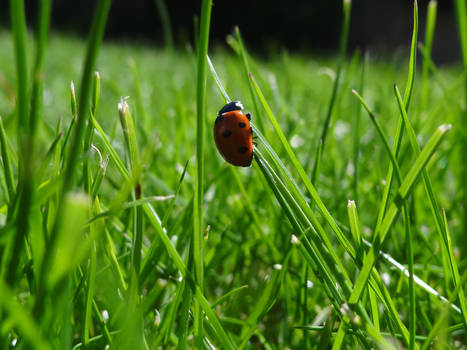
(239, 104)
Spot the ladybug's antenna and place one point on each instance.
(218, 81)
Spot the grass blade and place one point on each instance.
(309, 186)
(461, 15)
(342, 49)
(8, 172)
(454, 271)
(429, 33)
(198, 221)
(404, 190)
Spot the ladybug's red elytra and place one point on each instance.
(234, 135)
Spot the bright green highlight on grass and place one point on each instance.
(129, 230)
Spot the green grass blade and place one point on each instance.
(342, 50)
(309, 186)
(7, 169)
(454, 271)
(429, 33)
(198, 214)
(461, 15)
(166, 25)
(404, 190)
(87, 312)
(94, 43)
(18, 27)
(400, 127)
(155, 222)
(129, 132)
(406, 220)
(25, 145)
(21, 318)
(113, 154)
(264, 302)
(413, 58)
(356, 132)
(218, 81)
(38, 73)
(354, 226)
(89, 132)
(381, 135)
(246, 71)
(95, 39)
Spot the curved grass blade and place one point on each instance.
(342, 49)
(306, 181)
(393, 211)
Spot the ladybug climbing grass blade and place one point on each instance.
(234, 135)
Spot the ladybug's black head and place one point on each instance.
(231, 106)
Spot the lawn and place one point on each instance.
(122, 226)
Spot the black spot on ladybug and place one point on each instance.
(242, 149)
(241, 125)
(218, 119)
(226, 133)
(248, 115)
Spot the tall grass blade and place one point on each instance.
(21, 319)
(429, 33)
(393, 211)
(95, 39)
(461, 15)
(198, 220)
(6, 161)
(342, 50)
(454, 271)
(309, 186)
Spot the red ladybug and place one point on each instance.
(234, 135)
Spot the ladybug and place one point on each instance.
(234, 135)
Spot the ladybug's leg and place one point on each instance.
(248, 115)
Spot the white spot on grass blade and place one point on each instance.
(294, 240)
(309, 284)
(123, 105)
(105, 316)
(157, 318)
(445, 127)
(351, 204)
